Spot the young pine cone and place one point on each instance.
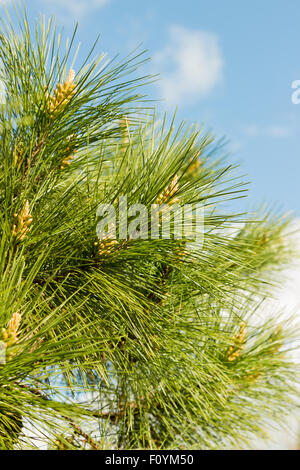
(62, 95)
(167, 195)
(22, 226)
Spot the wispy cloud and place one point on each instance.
(190, 64)
(75, 9)
(253, 130)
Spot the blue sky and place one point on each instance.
(227, 63)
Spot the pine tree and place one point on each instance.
(135, 343)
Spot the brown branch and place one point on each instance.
(37, 147)
(88, 439)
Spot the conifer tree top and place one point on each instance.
(126, 341)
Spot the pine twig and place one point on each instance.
(77, 429)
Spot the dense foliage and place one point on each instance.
(136, 343)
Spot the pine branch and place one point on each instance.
(163, 334)
(77, 429)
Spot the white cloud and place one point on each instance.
(75, 8)
(190, 64)
(254, 130)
